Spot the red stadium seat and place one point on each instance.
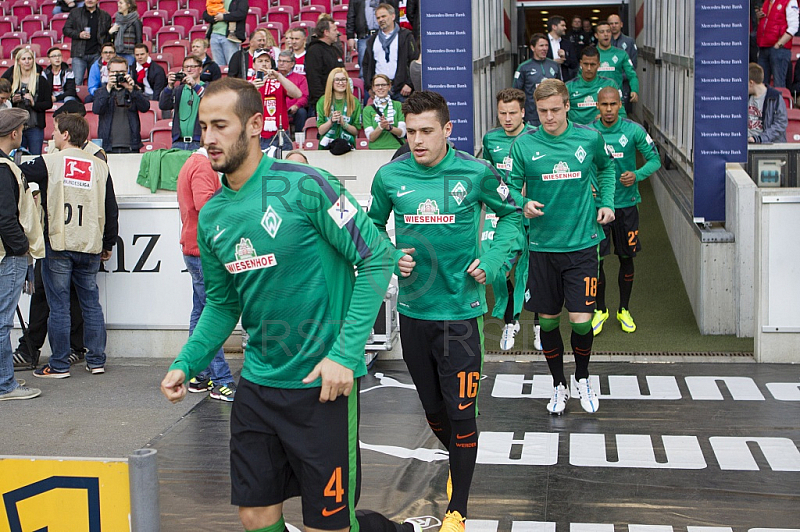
(8, 23)
(311, 144)
(362, 144)
(161, 137)
(44, 39)
(5, 64)
(186, 18)
(154, 19)
(253, 18)
(198, 31)
(310, 128)
(66, 50)
(324, 4)
(11, 40)
(169, 34)
(57, 22)
(311, 13)
(275, 28)
(294, 4)
(109, 6)
(199, 5)
(794, 114)
(358, 88)
(787, 96)
(93, 120)
(148, 122)
(47, 7)
(171, 6)
(34, 23)
(308, 25)
(43, 62)
(339, 13)
(177, 49)
(23, 8)
(282, 14)
(163, 60)
(793, 131)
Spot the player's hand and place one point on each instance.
(627, 178)
(172, 386)
(533, 209)
(634, 97)
(336, 379)
(605, 215)
(406, 263)
(476, 273)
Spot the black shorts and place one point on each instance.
(624, 231)
(285, 443)
(556, 280)
(444, 359)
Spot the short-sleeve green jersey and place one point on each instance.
(386, 141)
(583, 98)
(280, 252)
(496, 147)
(559, 172)
(624, 138)
(437, 211)
(615, 61)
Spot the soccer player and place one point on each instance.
(615, 63)
(508, 296)
(624, 138)
(584, 88)
(278, 244)
(437, 193)
(558, 163)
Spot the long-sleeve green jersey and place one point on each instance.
(558, 172)
(615, 61)
(583, 98)
(624, 138)
(279, 252)
(437, 211)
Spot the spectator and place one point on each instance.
(532, 72)
(767, 117)
(241, 63)
(32, 92)
(126, 30)
(211, 71)
(183, 93)
(576, 35)
(408, 16)
(88, 27)
(22, 240)
(774, 35)
(65, 6)
(296, 42)
(118, 104)
(98, 73)
(361, 24)
(74, 251)
(338, 112)
(148, 75)
(275, 90)
(297, 107)
(321, 58)
(560, 49)
(221, 47)
(60, 76)
(390, 52)
(77, 108)
(197, 182)
(5, 94)
(384, 123)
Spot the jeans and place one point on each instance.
(361, 46)
(130, 58)
(32, 139)
(80, 66)
(300, 118)
(189, 146)
(218, 370)
(775, 63)
(12, 276)
(222, 49)
(59, 270)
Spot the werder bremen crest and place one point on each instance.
(271, 222)
(428, 207)
(459, 193)
(623, 141)
(580, 154)
(244, 250)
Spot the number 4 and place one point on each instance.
(334, 487)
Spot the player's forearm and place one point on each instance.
(505, 235)
(213, 328)
(652, 164)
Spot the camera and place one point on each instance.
(179, 76)
(23, 91)
(260, 75)
(119, 78)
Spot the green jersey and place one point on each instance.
(337, 131)
(583, 99)
(615, 61)
(279, 252)
(558, 172)
(372, 121)
(623, 139)
(437, 211)
(496, 147)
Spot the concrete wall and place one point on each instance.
(740, 206)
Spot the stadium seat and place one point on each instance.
(311, 144)
(199, 5)
(310, 128)
(163, 60)
(34, 23)
(358, 88)
(148, 122)
(177, 49)
(787, 96)
(5, 64)
(154, 19)
(93, 120)
(171, 6)
(43, 62)
(57, 22)
(339, 13)
(308, 25)
(109, 6)
(169, 34)
(11, 40)
(66, 50)
(23, 8)
(275, 28)
(198, 31)
(44, 39)
(362, 144)
(294, 4)
(324, 4)
(47, 6)
(48, 124)
(253, 18)
(37, 50)
(311, 13)
(793, 131)
(353, 70)
(8, 23)
(186, 18)
(161, 136)
(282, 14)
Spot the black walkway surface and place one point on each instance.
(674, 446)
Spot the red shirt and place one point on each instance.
(197, 182)
(275, 109)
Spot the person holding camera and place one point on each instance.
(182, 94)
(32, 92)
(274, 89)
(118, 103)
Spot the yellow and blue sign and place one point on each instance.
(63, 495)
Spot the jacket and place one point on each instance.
(67, 81)
(20, 219)
(774, 25)
(79, 19)
(357, 21)
(159, 169)
(211, 71)
(321, 58)
(302, 84)
(156, 77)
(406, 53)
(629, 45)
(237, 12)
(774, 117)
(43, 100)
(171, 99)
(569, 68)
(104, 105)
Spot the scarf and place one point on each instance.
(386, 42)
(274, 107)
(124, 21)
(388, 110)
(337, 131)
(141, 71)
(104, 71)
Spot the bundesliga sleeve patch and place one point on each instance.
(342, 211)
(78, 173)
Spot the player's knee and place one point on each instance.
(549, 324)
(581, 328)
(262, 518)
(465, 433)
